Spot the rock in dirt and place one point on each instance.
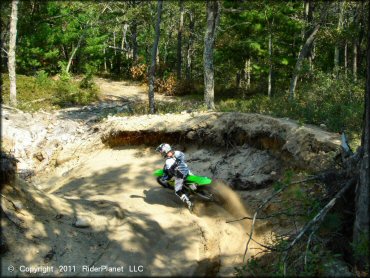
(49, 256)
(82, 222)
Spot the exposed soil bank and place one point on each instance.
(305, 147)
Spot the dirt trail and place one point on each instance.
(133, 222)
(134, 91)
(162, 234)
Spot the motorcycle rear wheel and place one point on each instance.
(206, 195)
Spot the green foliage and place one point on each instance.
(41, 92)
(315, 261)
(361, 247)
(64, 75)
(87, 80)
(29, 89)
(69, 93)
(336, 103)
(42, 79)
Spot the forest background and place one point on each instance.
(304, 60)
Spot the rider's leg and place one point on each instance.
(178, 191)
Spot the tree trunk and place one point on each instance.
(124, 45)
(310, 14)
(74, 53)
(307, 49)
(361, 224)
(301, 56)
(213, 17)
(245, 82)
(354, 61)
(105, 60)
(134, 41)
(11, 53)
(64, 51)
(248, 72)
(339, 29)
(356, 23)
(270, 66)
(179, 40)
(157, 57)
(345, 58)
(190, 46)
(153, 59)
(361, 35)
(114, 43)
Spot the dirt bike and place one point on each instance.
(193, 185)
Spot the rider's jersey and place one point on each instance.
(177, 162)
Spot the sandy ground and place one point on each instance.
(134, 222)
(134, 91)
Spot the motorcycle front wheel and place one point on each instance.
(163, 183)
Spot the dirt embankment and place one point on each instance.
(93, 200)
(246, 144)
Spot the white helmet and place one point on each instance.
(164, 148)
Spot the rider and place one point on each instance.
(175, 166)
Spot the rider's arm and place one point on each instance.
(167, 173)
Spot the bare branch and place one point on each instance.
(318, 218)
(308, 247)
(262, 245)
(118, 48)
(267, 217)
(10, 108)
(273, 195)
(261, 206)
(321, 215)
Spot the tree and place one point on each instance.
(213, 17)
(339, 30)
(305, 51)
(361, 224)
(153, 59)
(179, 40)
(269, 27)
(11, 52)
(189, 46)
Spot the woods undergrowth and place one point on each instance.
(42, 92)
(335, 104)
(299, 198)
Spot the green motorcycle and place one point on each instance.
(193, 185)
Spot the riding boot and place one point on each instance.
(186, 200)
